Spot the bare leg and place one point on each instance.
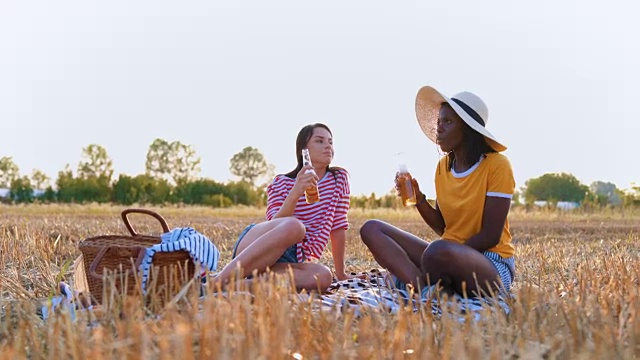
(262, 246)
(459, 267)
(307, 276)
(396, 250)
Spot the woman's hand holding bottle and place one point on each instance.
(304, 180)
(407, 188)
(420, 196)
(404, 184)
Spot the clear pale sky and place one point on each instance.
(560, 79)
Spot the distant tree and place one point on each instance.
(95, 163)
(81, 190)
(9, 171)
(124, 191)
(268, 176)
(21, 190)
(93, 189)
(49, 195)
(516, 198)
(358, 201)
(249, 165)
(65, 183)
(391, 201)
(261, 195)
(187, 162)
(175, 161)
(591, 201)
(631, 196)
(39, 179)
(555, 187)
(217, 201)
(158, 162)
(372, 201)
(242, 193)
(142, 189)
(199, 191)
(606, 193)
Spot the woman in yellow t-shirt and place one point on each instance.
(474, 186)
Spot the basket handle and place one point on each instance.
(127, 223)
(101, 254)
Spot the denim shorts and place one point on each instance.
(290, 255)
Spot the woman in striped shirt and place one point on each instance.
(296, 232)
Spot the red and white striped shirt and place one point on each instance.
(319, 219)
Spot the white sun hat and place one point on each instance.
(471, 109)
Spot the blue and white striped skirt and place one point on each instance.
(506, 268)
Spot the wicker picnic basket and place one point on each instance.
(120, 256)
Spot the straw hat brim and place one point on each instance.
(428, 103)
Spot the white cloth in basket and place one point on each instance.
(201, 249)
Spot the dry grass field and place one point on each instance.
(577, 296)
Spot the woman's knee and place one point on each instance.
(439, 252)
(294, 228)
(323, 276)
(370, 229)
(309, 276)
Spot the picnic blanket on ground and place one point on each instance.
(375, 294)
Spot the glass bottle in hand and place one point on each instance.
(405, 184)
(311, 193)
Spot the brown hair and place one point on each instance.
(303, 138)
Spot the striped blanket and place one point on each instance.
(375, 294)
(372, 294)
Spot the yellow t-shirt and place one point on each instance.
(461, 198)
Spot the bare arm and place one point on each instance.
(494, 216)
(289, 204)
(303, 181)
(431, 215)
(338, 240)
